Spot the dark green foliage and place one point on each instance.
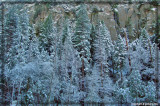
(82, 32)
(119, 53)
(65, 31)
(93, 38)
(11, 34)
(46, 33)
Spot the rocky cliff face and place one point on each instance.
(133, 17)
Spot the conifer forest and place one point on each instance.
(79, 52)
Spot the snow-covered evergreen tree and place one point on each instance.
(81, 42)
(100, 55)
(11, 33)
(145, 42)
(119, 56)
(108, 41)
(69, 66)
(141, 57)
(144, 37)
(47, 34)
(150, 92)
(119, 52)
(102, 85)
(136, 86)
(133, 89)
(93, 86)
(122, 92)
(82, 34)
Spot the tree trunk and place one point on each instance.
(82, 84)
(82, 75)
(27, 88)
(121, 76)
(157, 72)
(129, 59)
(102, 74)
(50, 90)
(12, 94)
(150, 50)
(2, 55)
(18, 99)
(100, 91)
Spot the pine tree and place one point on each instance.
(25, 46)
(26, 43)
(81, 41)
(127, 48)
(141, 56)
